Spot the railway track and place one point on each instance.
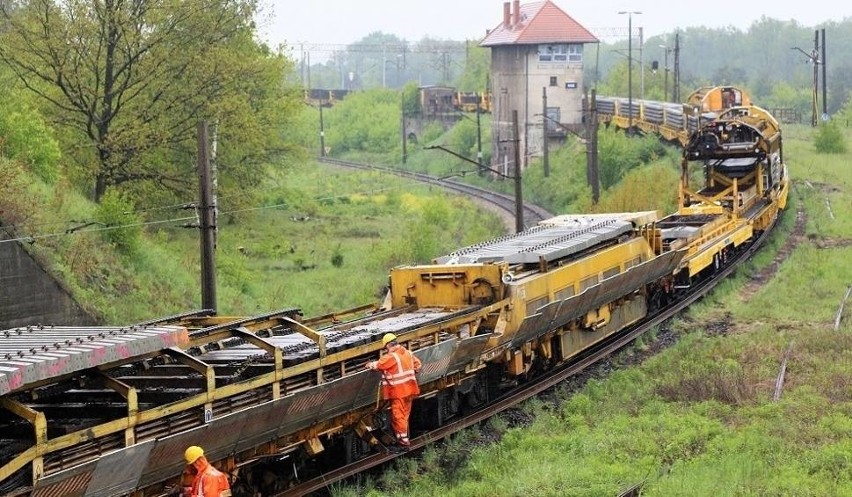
(537, 385)
(486, 320)
(505, 204)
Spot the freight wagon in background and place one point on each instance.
(317, 97)
(277, 398)
(469, 101)
(433, 100)
(437, 101)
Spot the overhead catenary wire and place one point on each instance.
(88, 229)
(68, 232)
(31, 225)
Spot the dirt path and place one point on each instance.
(761, 277)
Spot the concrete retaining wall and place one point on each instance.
(29, 295)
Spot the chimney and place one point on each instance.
(517, 13)
(507, 16)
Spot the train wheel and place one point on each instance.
(478, 394)
(655, 302)
(429, 414)
(355, 447)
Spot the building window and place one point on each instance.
(560, 52)
(553, 120)
(553, 81)
(575, 52)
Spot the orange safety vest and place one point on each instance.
(398, 373)
(211, 483)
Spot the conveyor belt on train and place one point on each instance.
(552, 239)
(33, 354)
(298, 348)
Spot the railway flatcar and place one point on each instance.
(671, 121)
(471, 101)
(324, 98)
(274, 398)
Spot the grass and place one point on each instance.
(322, 239)
(698, 419)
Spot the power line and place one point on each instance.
(72, 231)
(408, 47)
(31, 225)
(85, 228)
(422, 46)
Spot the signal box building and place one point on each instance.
(536, 46)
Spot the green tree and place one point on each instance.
(784, 95)
(25, 137)
(840, 85)
(378, 60)
(477, 69)
(366, 121)
(132, 79)
(411, 99)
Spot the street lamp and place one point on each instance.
(666, 51)
(630, 66)
(813, 58)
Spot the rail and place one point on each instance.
(504, 203)
(233, 369)
(584, 360)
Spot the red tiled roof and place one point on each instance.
(541, 22)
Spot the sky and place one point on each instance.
(311, 24)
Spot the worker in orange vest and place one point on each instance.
(209, 481)
(399, 384)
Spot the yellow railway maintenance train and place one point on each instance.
(672, 121)
(109, 411)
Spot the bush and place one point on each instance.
(431, 132)
(13, 186)
(829, 139)
(121, 226)
(337, 256)
(366, 121)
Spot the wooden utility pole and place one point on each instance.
(402, 124)
(322, 132)
(207, 222)
(545, 160)
(519, 200)
(815, 58)
(592, 148)
(676, 82)
(479, 135)
(824, 80)
(815, 92)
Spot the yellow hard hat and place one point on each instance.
(193, 453)
(389, 337)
